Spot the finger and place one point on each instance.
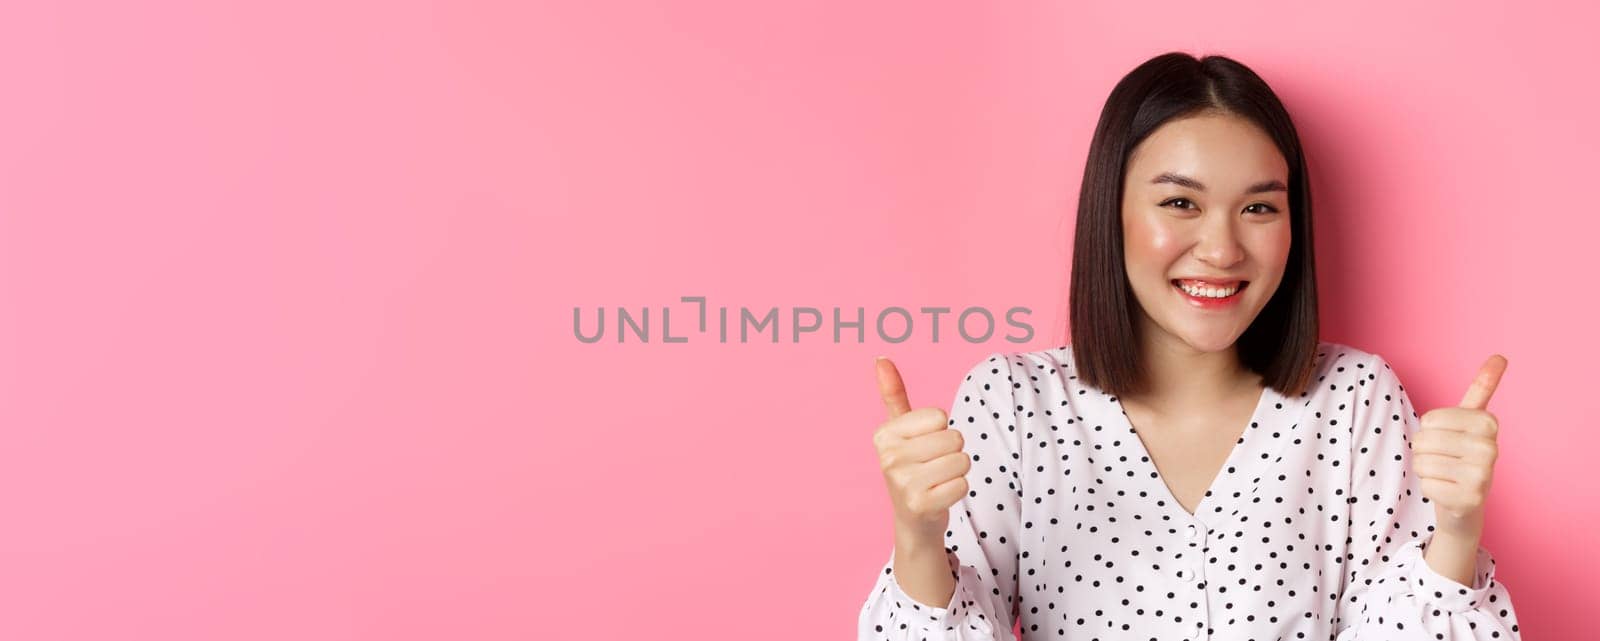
(1482, 388)
(931, 445)
(1440, 491)
(941, 469)
(917, 422)
(949, 492)
(1437, 467)
(1466, 446)
(1452, 470)
(1441, 442)
(1470, 424)
(892, 388)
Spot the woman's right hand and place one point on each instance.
(923, 462)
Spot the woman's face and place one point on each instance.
(1205, 198)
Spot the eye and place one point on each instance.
(1270, 209)
(1170, 201)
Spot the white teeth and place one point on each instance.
(1208, 291)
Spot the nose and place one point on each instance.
(1218, 244)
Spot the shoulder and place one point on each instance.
(1344, 354)
(1362, 379)
(1332, 355)
(1339, 360)
(1031, 363)
(1006, 371)
(1340, 366)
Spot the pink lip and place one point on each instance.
(1211, 281)
(1212, 303)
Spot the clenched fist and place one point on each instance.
(922, 459)
(1455, 449)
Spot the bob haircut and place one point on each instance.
(1281, 342)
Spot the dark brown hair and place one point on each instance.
(1281, 342)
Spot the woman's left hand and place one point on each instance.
(1454, 451)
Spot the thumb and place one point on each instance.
(892, 388)
(1482, 388)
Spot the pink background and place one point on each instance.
(286, 348)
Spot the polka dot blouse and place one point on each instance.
(1313, 528)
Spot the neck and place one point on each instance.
(1176, 375)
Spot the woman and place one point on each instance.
(1196, 464)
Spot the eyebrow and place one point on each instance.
(1179, 179)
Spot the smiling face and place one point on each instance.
(1205, 227)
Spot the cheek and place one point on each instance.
(1148, 243)
(1272, 244)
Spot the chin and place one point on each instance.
(1208, 343)
(1200, 338)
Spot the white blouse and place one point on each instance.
(1313, 528)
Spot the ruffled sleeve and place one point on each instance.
(1388, 589)
(981, 542)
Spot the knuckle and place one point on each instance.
(897, 478)
(880, 438)
(1422, 440)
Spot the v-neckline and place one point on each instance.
(1215, 488)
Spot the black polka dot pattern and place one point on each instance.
(1313, 528)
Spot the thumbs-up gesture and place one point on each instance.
(922, 459)
(1454, 452)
